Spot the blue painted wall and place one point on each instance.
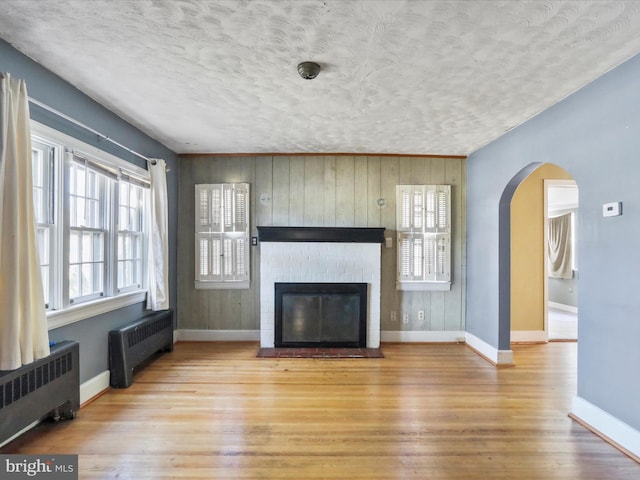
(595, 135)
(51, 90)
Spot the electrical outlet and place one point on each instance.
(405, 318)
(420, 314)
(394, 316)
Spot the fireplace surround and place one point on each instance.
(319, 255)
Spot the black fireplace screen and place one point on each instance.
(320, 314)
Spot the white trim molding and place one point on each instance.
(605, 425)
(497, 357)
(408, 286)
(421, 336)
(59, 318)
(217, 335)
(563, 307)
(200, 285)
(94, 386)
(400, 336)
(529, 336)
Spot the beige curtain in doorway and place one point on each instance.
(23, 324)
(559, 243)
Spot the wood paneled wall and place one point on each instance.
(321, 190)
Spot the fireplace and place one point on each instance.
(331, 255)
(321, 315)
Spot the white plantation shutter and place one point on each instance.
(424, 236)
(215, 250)
(404, 208)
(222, 235)
(430, 210)
(240, 214)
(215, 208)
(430, 257)
(203, 253)
(202, 202)
(417, 220)
(228, 208)
(444, 207)
(404, 257)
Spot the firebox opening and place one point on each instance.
(321, 315)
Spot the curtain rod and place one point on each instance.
(89, 129)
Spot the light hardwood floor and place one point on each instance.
(214, 411)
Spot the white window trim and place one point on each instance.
(224, 285)
(83, 311)
(49, 133)
(419, 286)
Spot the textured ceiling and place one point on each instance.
(405, 77)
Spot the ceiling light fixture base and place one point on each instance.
(308, 70)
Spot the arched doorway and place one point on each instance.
(522, 255)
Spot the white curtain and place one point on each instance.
(23, 323)
(559, 242)
(158, 270)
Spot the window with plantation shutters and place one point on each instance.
(222, 235)
(424, 237)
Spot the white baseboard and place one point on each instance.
(218, 335)
(562, 306)
(419, 336)
(529, 336)
(254, 335)
(495, 356)
(94, 386)
(606, 425)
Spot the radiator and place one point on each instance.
(136, 342)
(48, 387)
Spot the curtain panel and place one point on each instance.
(559, 246)
(158, 263)
(23, 323)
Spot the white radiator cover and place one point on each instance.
(318, 262)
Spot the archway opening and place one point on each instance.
(523, 272)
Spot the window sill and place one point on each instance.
(244, 285)
(60, 318)
(424, 286)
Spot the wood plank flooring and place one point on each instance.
(215, 411)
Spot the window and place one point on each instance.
(130, 233)
(90, 212)
(424, 237)
(43, 157)
(222, 235)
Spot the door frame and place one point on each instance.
(548, 183)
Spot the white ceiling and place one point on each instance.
(398, 76)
